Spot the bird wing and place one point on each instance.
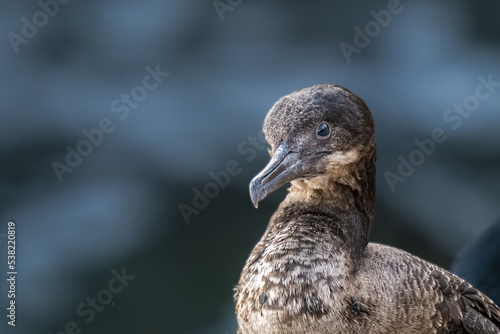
(420, 295)
(464, 305)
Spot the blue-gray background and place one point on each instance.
(120, 207)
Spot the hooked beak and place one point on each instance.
(283, 167)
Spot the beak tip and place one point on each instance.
(255, 191)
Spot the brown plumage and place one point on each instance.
(314, 271)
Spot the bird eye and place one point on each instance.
(323, 131)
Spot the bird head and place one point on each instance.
(317, 134)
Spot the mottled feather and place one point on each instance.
(314, 271)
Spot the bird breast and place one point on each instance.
(292, 286)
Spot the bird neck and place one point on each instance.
(345, 203)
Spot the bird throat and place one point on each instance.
(343, 197)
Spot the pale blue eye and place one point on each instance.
(323, 130)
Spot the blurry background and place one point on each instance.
(119, 210)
